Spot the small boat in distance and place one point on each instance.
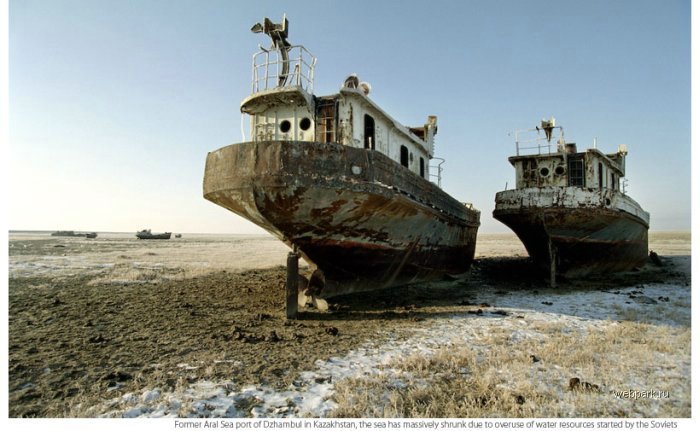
(65, 233)
(568, 208)
(147, 234)
(74, 234)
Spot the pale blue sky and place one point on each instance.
(115, 104)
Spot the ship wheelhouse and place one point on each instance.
(283, 107)
(540, 163)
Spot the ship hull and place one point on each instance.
(359, 217)
(589, 232)
(153, 236)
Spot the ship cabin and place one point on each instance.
(282, 106)
(539, 163)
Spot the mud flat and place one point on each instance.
(195, 327)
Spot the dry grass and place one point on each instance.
(676, 312)
(504, 381)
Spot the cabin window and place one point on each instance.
(422, 167)
(305, 123)
(404, 156)
(369, 132)
(576, 172)
(612, 181)
(600, 175)
(285, 126)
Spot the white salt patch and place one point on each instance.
(186, 366)
(134, 413)
(150, 396)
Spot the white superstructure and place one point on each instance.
(282, 106)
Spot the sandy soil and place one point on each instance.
(92, 320)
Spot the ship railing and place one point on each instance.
(531, 142)
(437, 168)
(272, 70)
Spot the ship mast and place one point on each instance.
(278, 33)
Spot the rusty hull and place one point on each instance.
(364, 220)
(586, 240)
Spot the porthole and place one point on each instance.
(559, 170)
(607, 202)
(285, 126)
(305, 123)
(544, 172)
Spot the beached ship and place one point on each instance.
(568, 207)
(147, 234)
(65, 233)
(338, 179)
(74, 233)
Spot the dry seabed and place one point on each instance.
(195, 340)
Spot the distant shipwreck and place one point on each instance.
(147, 234)
(74, 233)
(568, 208)
(338, 180)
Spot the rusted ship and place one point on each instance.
(568, 208)
(147, 234)
(73, 233)
(65, 233)
(338, 179)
